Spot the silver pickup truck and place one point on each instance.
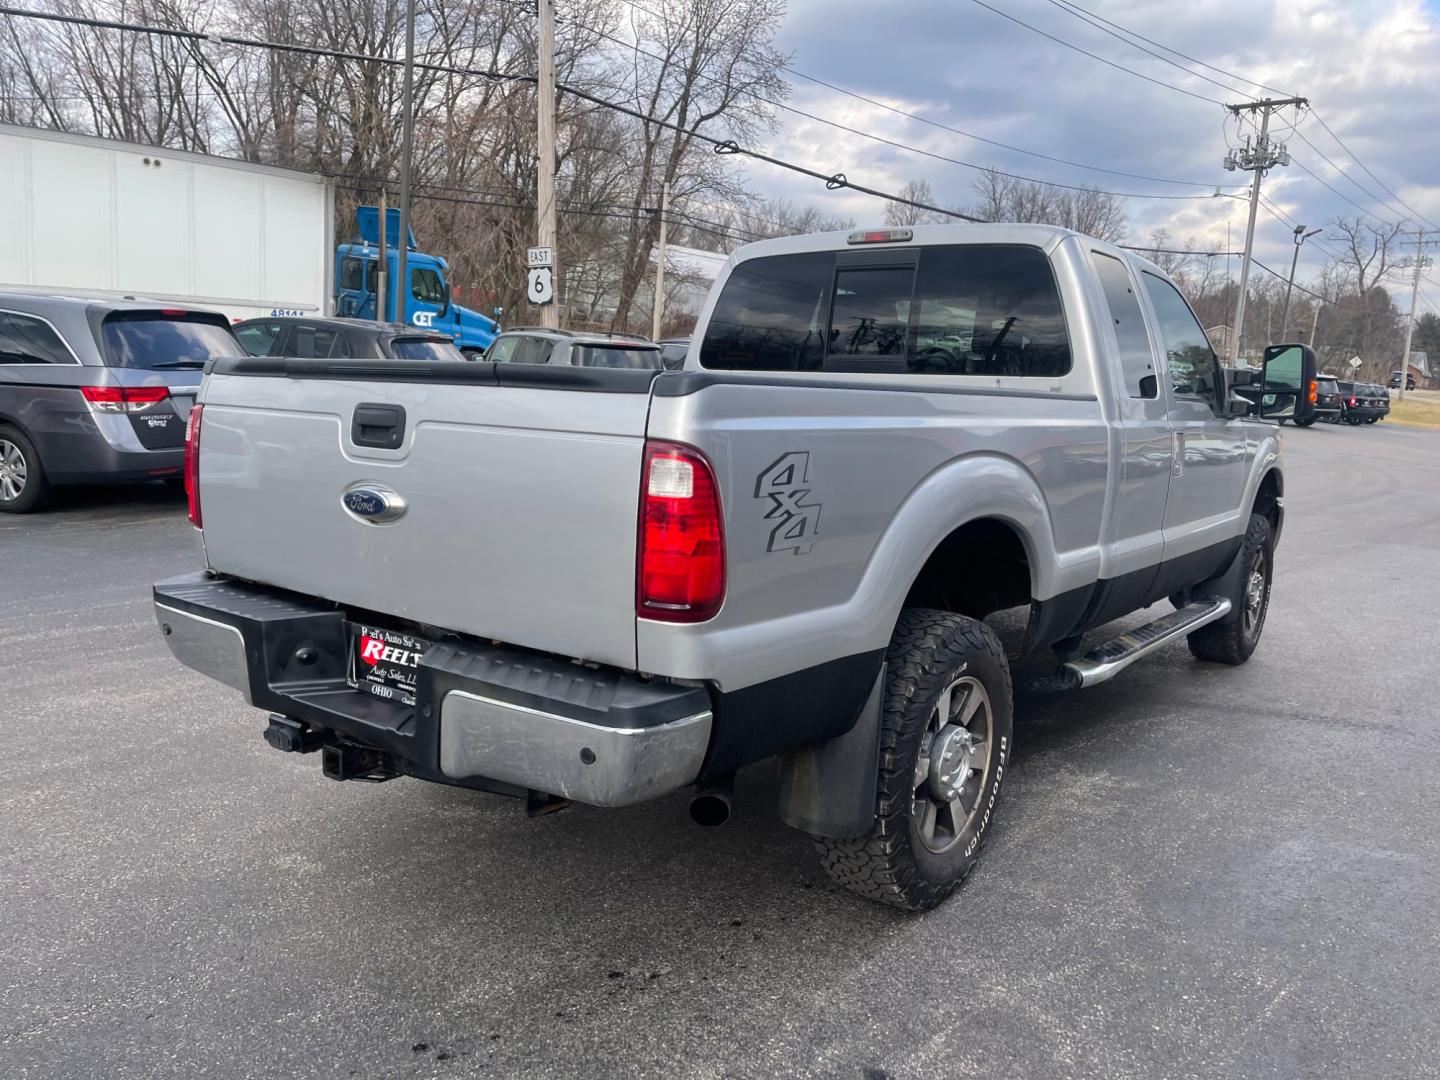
(604, 585)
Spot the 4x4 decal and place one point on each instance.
(784, 483)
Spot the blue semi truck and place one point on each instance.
(427, 301)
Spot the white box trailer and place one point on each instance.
(84, 216)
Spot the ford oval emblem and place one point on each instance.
(373, 504)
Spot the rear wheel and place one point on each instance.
(1233, 642)
(1306, 422)
(23, 486)
(945, 731)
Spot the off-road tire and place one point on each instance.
(928, 652)
(33, 495)
(1233, 642)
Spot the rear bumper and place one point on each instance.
(485, 715)
(74, 450)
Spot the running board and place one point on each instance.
(1108, 660)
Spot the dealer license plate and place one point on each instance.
(385, 662)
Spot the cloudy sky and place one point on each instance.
(1370, 67)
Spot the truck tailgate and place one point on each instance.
(520, 501)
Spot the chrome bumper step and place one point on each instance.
(1114, 656)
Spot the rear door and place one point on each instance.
(1137, 524)
(519, 486)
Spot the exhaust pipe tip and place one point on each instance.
(710, 810)
(711, 805)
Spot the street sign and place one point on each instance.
(540, 285)
(539, 256)
(1355, 362)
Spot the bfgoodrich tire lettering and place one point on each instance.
(937, 660)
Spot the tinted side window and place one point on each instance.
(317, 343)
(502, 350)
(771, 315)
(1189, 357)
(1136, 360)
(257, 337)
(615, 356)
(988, 309)
(24, 340)
(531, 350)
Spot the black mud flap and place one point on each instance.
(829, 788)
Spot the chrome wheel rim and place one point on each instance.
(13, 471)
(953, 765)
(1255, 594)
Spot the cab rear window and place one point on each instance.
(155, 340)
(957, 309)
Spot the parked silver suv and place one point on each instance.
(97, 391)
(573, 348)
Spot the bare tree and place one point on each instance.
(916, 191)
(706, 66)
(1005, 198)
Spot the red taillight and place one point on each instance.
(1352, 401)
(680, 576)
(124, 399)
(192, 465)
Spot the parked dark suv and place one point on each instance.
(342, 339)
(1328, 402)
(95, 391)
(1364, 403)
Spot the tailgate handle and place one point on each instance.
(378, 425)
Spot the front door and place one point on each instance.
(1207, 479)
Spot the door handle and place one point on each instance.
(1177, 460)
(378, 425)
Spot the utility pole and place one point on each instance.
(660, 262)
(1420, 263)
(1300, 237)
(545, 148)
(1258, 157)
(401, 284)
(381, 312)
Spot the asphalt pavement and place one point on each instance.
(1197, 871)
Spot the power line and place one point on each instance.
(1096, 56)
(942, 126)
(1084, 16)
(1074, 7)
(833, 181)
(1338, 194)
(1177, 52)
(1320, 120)
(906, 146)
(1358, 186)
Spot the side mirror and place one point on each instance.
(1288, 390)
